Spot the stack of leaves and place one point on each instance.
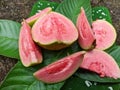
(21, 78)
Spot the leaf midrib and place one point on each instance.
(15, 39)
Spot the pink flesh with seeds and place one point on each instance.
(61, 69)
(86, 37)
(54, 27)
(101, 63)
(29, 52)
(105, 34)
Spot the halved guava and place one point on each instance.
(31, 20)
(61, 69)
(86, 36)
(102, 63)
(54, 31)
(105, 34)
(30, 54)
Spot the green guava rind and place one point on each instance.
(105, 34)
(86, 37)
(29, 52)
(60, 70)
(31, 20)
(54, 43)
(102, 63)
(55, 46)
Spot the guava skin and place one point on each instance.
(86, 37)
(29, 52)
(102, 63)
(61, 69)
(54, 31)
(105, 34)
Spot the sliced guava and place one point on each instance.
(86, 36)
(61, 69)
(105, 34)
(29, 52)
(31, 20)
(54, 31)
(102, 63)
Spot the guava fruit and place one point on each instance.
(105, 34)
(29, 52)
(54, 31)
(31, 20)
(61, 69)
(86, 36)
(102, 63)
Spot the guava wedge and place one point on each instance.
(54, 31)
(30, 54)
(31, 20)
(105, 34)
(102, 63)
(61, 69)
(86, 37)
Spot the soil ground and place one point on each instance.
(18, 9)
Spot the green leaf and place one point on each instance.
(76, 83)
(115, 53)
(94, 77)
(101, 13)
(21, 78)
(71, 9)
(41, 4)
(51, 56)
(9, 33)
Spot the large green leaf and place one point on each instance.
(9, 33)
(115, 53)
(76, 83)
(101, 13)
(71, 9)
(21, 78)
(41, 4)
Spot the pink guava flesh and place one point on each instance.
(61, 69)
(102, 63)
(86, 36)
(33, 18)
(30, 54)
(54, 28)
(105, 34)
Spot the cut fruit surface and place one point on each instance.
(61, 69)
(102, 63)
(86, 36)
(31, 20)
(54, 30)
(105, 34)
(30, 54)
